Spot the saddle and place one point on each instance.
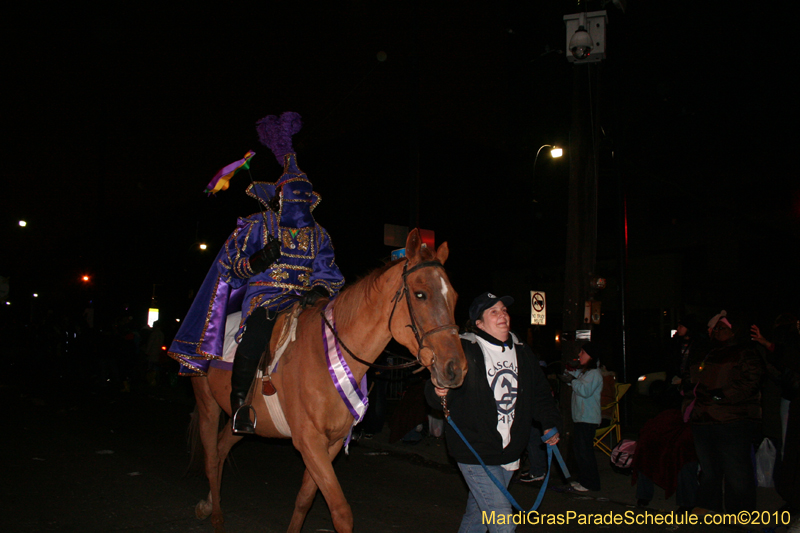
(268, 363)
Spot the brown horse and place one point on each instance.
(410, 300)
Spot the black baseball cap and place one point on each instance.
(484, 302)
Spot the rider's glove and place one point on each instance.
(265, 257)
(311, 297)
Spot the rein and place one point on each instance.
(396, 298)
(552, 449)
(409, 364)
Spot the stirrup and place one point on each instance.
(246, 431)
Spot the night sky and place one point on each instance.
(116, 117)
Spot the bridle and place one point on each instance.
(403, 291)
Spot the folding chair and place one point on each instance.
(604, 436)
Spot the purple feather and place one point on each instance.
(276, 133)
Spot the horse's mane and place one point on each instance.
(353, 296)
(350, 300)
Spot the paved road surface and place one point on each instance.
(90, 460)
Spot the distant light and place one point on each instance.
(35, 295)
(177, 320)
(8, 303)
(85, 278)
(22, 223)
(152, 316)
(556, 152)
(164, 348)
(642, 378)
(203, 246)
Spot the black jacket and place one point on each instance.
(473, 409)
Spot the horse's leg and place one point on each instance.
(318, 457)
(225, 441)
(209, 411)
(303, 502)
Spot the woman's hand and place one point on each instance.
(552, 441)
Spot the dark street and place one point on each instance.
(97, 460)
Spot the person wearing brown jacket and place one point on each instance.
(725, 418)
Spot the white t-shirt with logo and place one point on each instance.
(501, 373)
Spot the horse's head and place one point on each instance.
(424, 321)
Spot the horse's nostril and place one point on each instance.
(452, 371)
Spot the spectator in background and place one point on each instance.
(726, 415)
(666, 456)
(783, 362)
(688, 347)
(690, 344)
(783, 369)
(587, 386)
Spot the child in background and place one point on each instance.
(587, 384)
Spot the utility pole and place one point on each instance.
(585, 36)
(414, 119)
(582, 203)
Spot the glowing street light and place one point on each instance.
(555, 152)
(22, 223)
(203, 246)
(85, 278)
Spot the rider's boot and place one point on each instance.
(255, 340)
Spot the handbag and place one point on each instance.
(765, 463)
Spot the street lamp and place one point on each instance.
(555, 152)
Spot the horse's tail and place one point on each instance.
(194, 443)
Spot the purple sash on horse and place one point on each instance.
(353, 394)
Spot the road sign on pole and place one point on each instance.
(538, 308)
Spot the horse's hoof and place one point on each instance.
(203, 509)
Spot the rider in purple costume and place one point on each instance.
(267, 262)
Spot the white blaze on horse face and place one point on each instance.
(444, 287)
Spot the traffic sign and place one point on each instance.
(538, 308)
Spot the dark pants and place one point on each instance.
(686, 495)
(537, 453)
(724, 454)
(585, 461)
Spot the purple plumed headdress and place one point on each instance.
(276, 133)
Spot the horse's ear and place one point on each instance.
(442, 252)
(413, 242)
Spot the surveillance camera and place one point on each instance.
(580, 44)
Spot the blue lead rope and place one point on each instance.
(551, 449)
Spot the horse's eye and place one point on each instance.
(419, 295)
